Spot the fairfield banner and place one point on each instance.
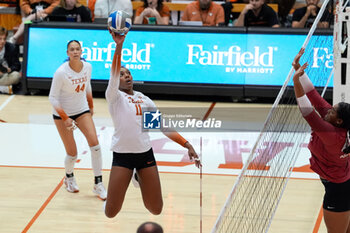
(181, 57)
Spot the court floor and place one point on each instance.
(33, 199)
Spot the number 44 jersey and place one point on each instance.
(70, 92)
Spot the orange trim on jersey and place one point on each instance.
(116, 62)
(89, 100)
(176, 137)
(62, 113)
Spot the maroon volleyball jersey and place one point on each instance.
(326, 143)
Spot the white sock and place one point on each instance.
(69, 163)
(96, 160)
(104, 206)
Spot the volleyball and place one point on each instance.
(119, 22)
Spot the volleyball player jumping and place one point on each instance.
(71, 98)
(329, 147)
(130, 144)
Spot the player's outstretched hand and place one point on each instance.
(299, 72)
(296, 60)
(119, 39)
(193, 155)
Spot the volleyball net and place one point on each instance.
(255, 196)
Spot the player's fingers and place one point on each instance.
(305, 66)
(70, 127)
(74, 125)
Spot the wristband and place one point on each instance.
(305, 105)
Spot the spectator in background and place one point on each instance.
(210, 13)
(9, 64)
(34, 10)
(284, 12)
(305, 16)
(152, 12)
(102, 8)
(257, 14)
(149, 227)
(29, 7)
(71, 11)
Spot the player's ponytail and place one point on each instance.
(343, 113)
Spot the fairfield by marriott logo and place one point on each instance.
(257, 60)
(136, 57)
(234, 58)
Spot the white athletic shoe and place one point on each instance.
(6, 89)
(100, 190)
(71, 184)
(134, 179)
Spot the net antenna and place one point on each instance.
(341, 53)
(201, 187)
(258, 189)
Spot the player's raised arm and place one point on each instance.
(304, 79)
(113, 84)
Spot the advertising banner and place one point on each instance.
(181, 57)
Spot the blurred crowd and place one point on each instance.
(285, 13)
(229, 13)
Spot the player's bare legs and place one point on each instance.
(337, 222)
(119, 180)
(151, 189)
(87, 127)
(67, 138)
(71, 150)
(348, 230)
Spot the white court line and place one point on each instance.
(6, 102)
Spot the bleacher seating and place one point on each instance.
(10, 13)
(174, 6)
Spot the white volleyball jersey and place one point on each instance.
(126, 112)
(70, 91)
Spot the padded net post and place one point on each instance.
(341, 53)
